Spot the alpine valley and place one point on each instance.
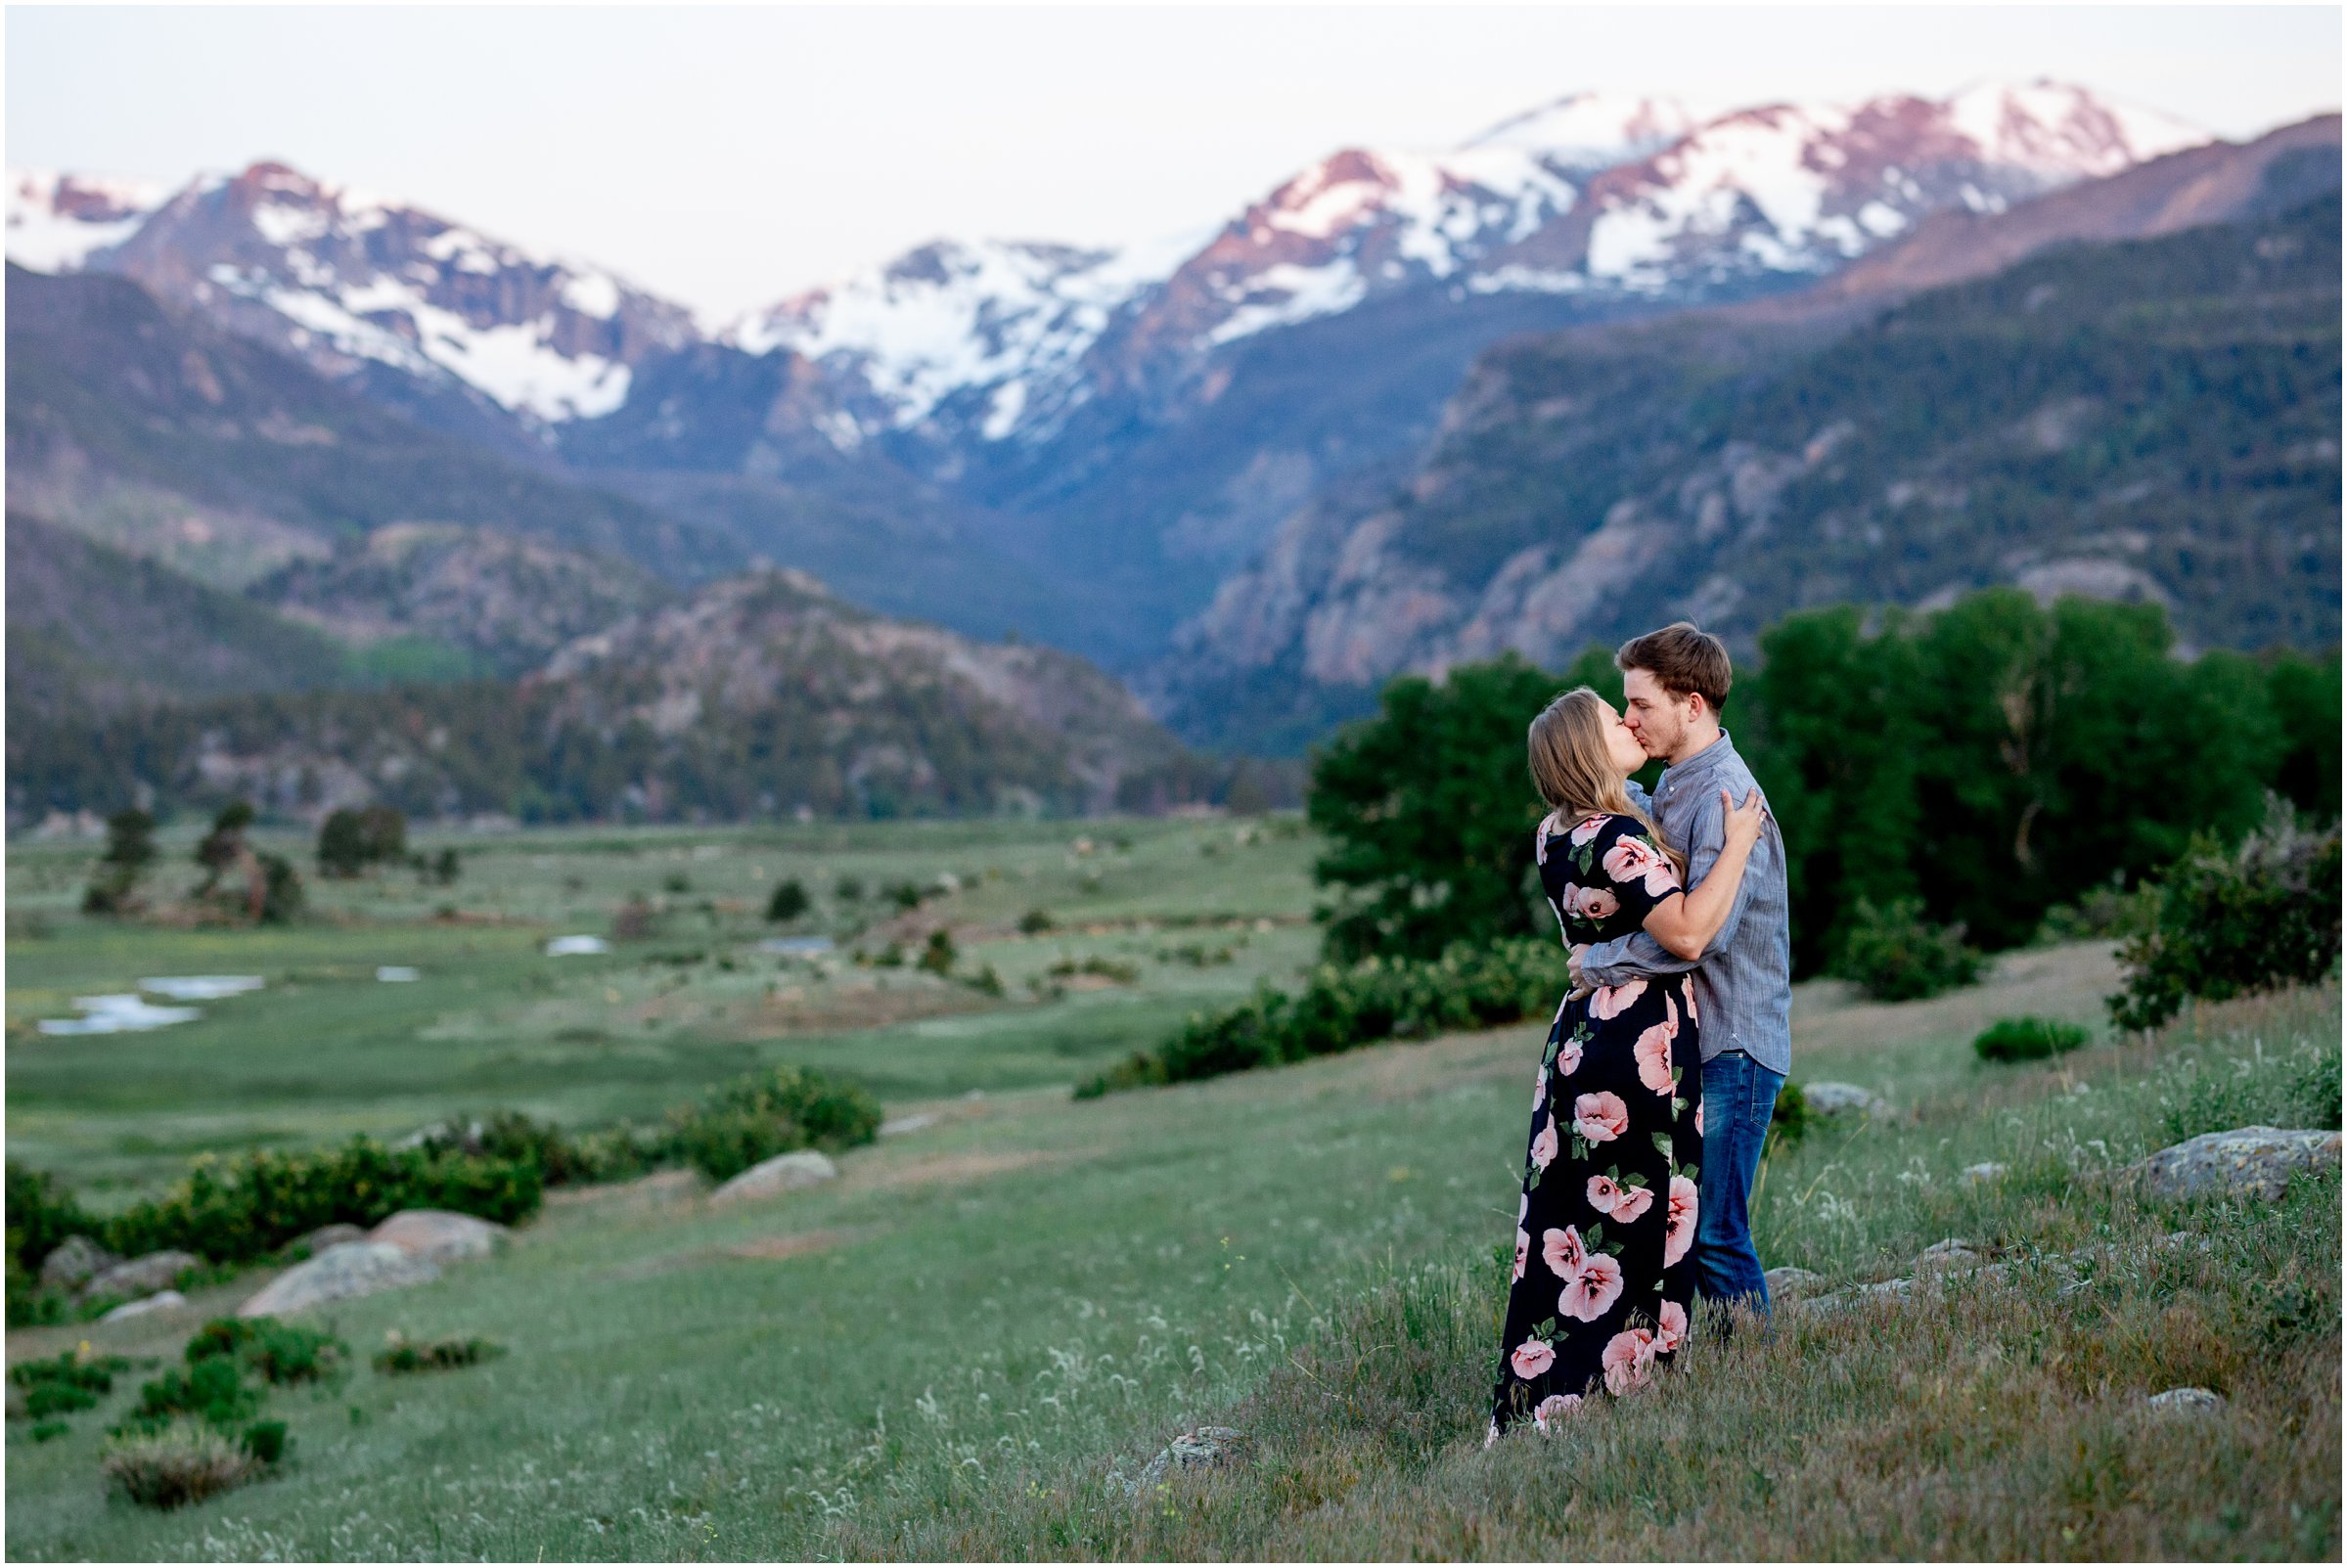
(1614, 359)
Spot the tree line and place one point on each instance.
(1984, 763)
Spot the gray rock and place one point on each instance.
(1860, 1295)
(2247, 1162)
(1947, 1257)
(330, 1236)
(74, 1262)
(895, 1125)
(1788, 1284)
(142, 1276)
(438, 1235)
(1830, 1098)
(1982, 1174)
(785, 1173)
(1199, 1448)
(2187, 1402)
(353, 1268)
(160, 1301)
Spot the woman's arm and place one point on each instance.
(1686, 924)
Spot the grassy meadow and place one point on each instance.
(962, 1346)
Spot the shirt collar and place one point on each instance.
(1702, 762)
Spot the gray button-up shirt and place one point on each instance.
(1742, 985)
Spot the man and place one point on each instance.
(1673, 682)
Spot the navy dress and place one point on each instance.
(1605, 1222)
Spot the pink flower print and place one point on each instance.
(1601, 1117)
(1540, 1089)
(1532, 1358)
(1562, 1251)
(1673, 1328)
(1610, 1000)
(1629, 1359)
(1523, 1245)
(1587, 828)
(1594, 1286)
(1554, 1407)
(1653, 1054)
(1543, 1144)
(1618, 1203)
(1632, 860)
(1679, 1221)
(1568, 1058)
(1592, 903)
(1699, 1115)
(1691, 1007)
(1540, 839)
(1670, 1017)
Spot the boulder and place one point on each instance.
(1860, 1295)
(160, 1301)
(1200, 1448)
(2247, 1162)
(353, 1268)
(1788, 1284)
(330, 1236)
(74, 1262)
(142, 1276)
(785, 1173)
(1947, 1257)
(1830, 1098)
(2187, 1402)
(438, 1235)
(1981, 1174)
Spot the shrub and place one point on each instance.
(1894, 955)
(212, 1389)
(938, 957)
(2104, 915)
(265, 1441)
(129, 849)
(59, 1384)
(2028, 1039)
(986, 982)
(349, 840)
(185, 1462)
(905, 895)
(1468, 987)
(848, 889)
(2265, 915)
(1792, 1119)
(231, 1210)
(1106, 969)
(774, 1113)
(40, 1215)
(790, 901)
(279, 1352)
(1036, 922)
(403, 1355)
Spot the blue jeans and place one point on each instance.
(1739, 1096)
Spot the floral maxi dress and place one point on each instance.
(1605, 1224)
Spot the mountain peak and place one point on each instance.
(57, 220)
(1595, 129)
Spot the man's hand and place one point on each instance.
(1581, 987)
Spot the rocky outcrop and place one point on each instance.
(160, 1301)
(2247, 1162)
(1202, 1447)
(339, 1274)
(2187, 1402)
(74, 1263)
(1830, 1098)
(141, 1276)
(439, 1236)
(785, 1173)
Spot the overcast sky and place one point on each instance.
(727, 156)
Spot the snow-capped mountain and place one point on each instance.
(1601, 195)
(347, 280)
(56, 220)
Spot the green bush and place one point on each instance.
(2028, 1039)
(231, 1210)
(279, 1352)
(60, 1384)
(768, 1113)
(1894, 955)
(2264, 916)
(40, 1215)
(1469, 986)
(1035, 922)
(212, 1389)
(938, 957)
(790, 901)
(1792, 1119)
(403, 1355)
(265, 1441)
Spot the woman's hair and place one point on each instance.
(1572, 766)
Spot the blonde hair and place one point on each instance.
(1572, 766)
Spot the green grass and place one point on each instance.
(947, 1351)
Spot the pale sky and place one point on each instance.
(729, 157)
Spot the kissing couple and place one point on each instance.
(1663, 1067)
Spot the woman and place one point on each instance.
(1606, 1218)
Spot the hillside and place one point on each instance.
(2148, 418)
(92, 630)
(169, 435)
(760, 695)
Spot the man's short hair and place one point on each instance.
(1682, 658)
